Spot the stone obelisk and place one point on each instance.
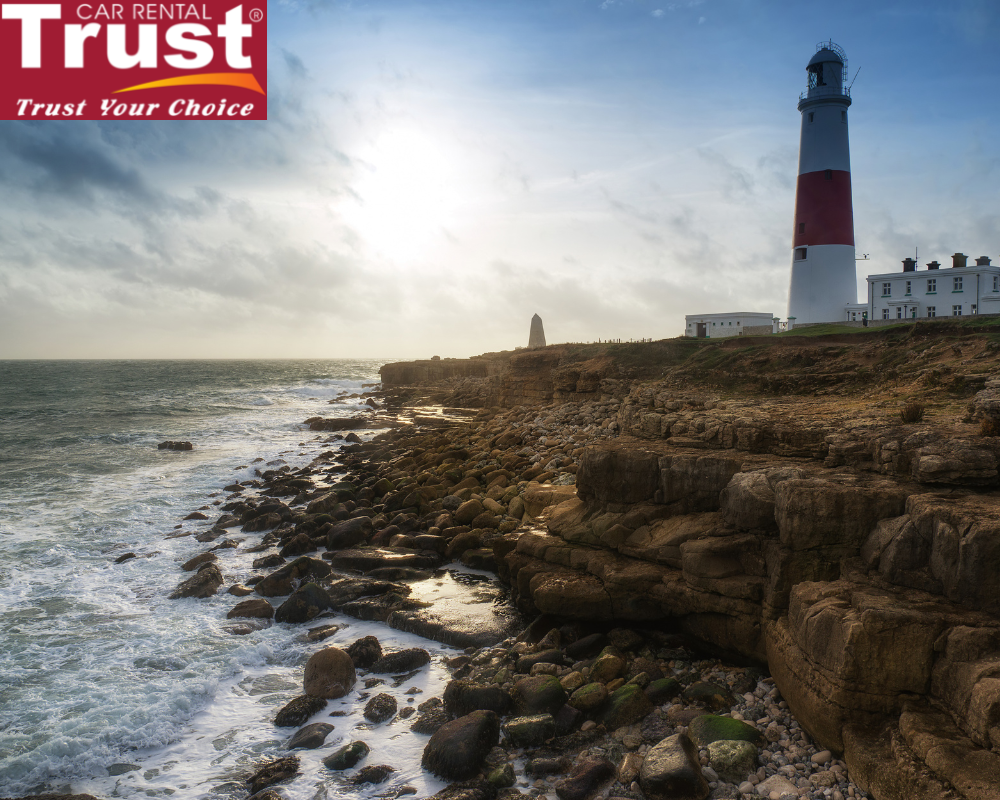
(536, 338)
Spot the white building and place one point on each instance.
(935, 292)
(718, 326)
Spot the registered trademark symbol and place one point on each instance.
(256, 15)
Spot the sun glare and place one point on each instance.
(406, 196)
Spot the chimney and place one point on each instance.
(959, 260)
(934, 265)
(909, 265)
(983, 261)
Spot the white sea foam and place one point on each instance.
(103, 674)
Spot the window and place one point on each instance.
(886, 289)
(899, 312)
(800, 253)
(972, 309)
(829, 174)
(908, 284)
(802, 227)
(958, 284)
(956, 311)
(811, 116)
(932, 286)
(931, 311)
(885, 313)
(996, 283)
(843, 116)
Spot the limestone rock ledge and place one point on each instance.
(872, 595)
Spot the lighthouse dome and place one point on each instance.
(825, 56)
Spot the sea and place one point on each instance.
(106, 685)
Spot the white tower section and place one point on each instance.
(823, 267)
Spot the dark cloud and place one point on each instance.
(68, 159)
(294, 64)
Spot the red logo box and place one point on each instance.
(122, 60)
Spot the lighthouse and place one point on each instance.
(823, 269)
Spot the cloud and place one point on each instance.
(68, 160)
(738, 182)
(294, 64)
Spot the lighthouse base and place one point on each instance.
(823, 283)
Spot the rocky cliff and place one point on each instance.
(768, 497)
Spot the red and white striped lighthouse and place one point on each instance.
(823, 269)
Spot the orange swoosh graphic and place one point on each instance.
(244, 80)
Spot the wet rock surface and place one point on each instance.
(310, 737)
(297, 711)
(716, 522)
(329, 673)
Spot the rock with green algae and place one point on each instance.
(711, 695)
(710, 728)
(588, 697)
(626, 705)
(663, 689)
(541, 694)
(608, 666)
(733, 759)
(502, 777)
(530, 731)
(347, 756)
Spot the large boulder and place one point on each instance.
(458, 749)
(733, 760)
(626, 705)
(586, 779)
(402, 660)
(672, 771)
(286, 580)
(540, 694)
(257, 608)
(462, 697)
(310, 737)
(349, 533)
(588, 697)
(365, 651)
(204, 583)
(468, 511)
(710, 728)
(298, 710)
(329, 673)
(202, 558)
(532, 731)
(347, 756)
(380, 708)
(273, 772)
(305, 603)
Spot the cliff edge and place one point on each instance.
(826, 505)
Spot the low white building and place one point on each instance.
(961, 290)
(718, 326)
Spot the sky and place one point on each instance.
(433, 172)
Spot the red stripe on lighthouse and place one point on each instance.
(824, 212)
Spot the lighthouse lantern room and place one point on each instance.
(823, 269)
